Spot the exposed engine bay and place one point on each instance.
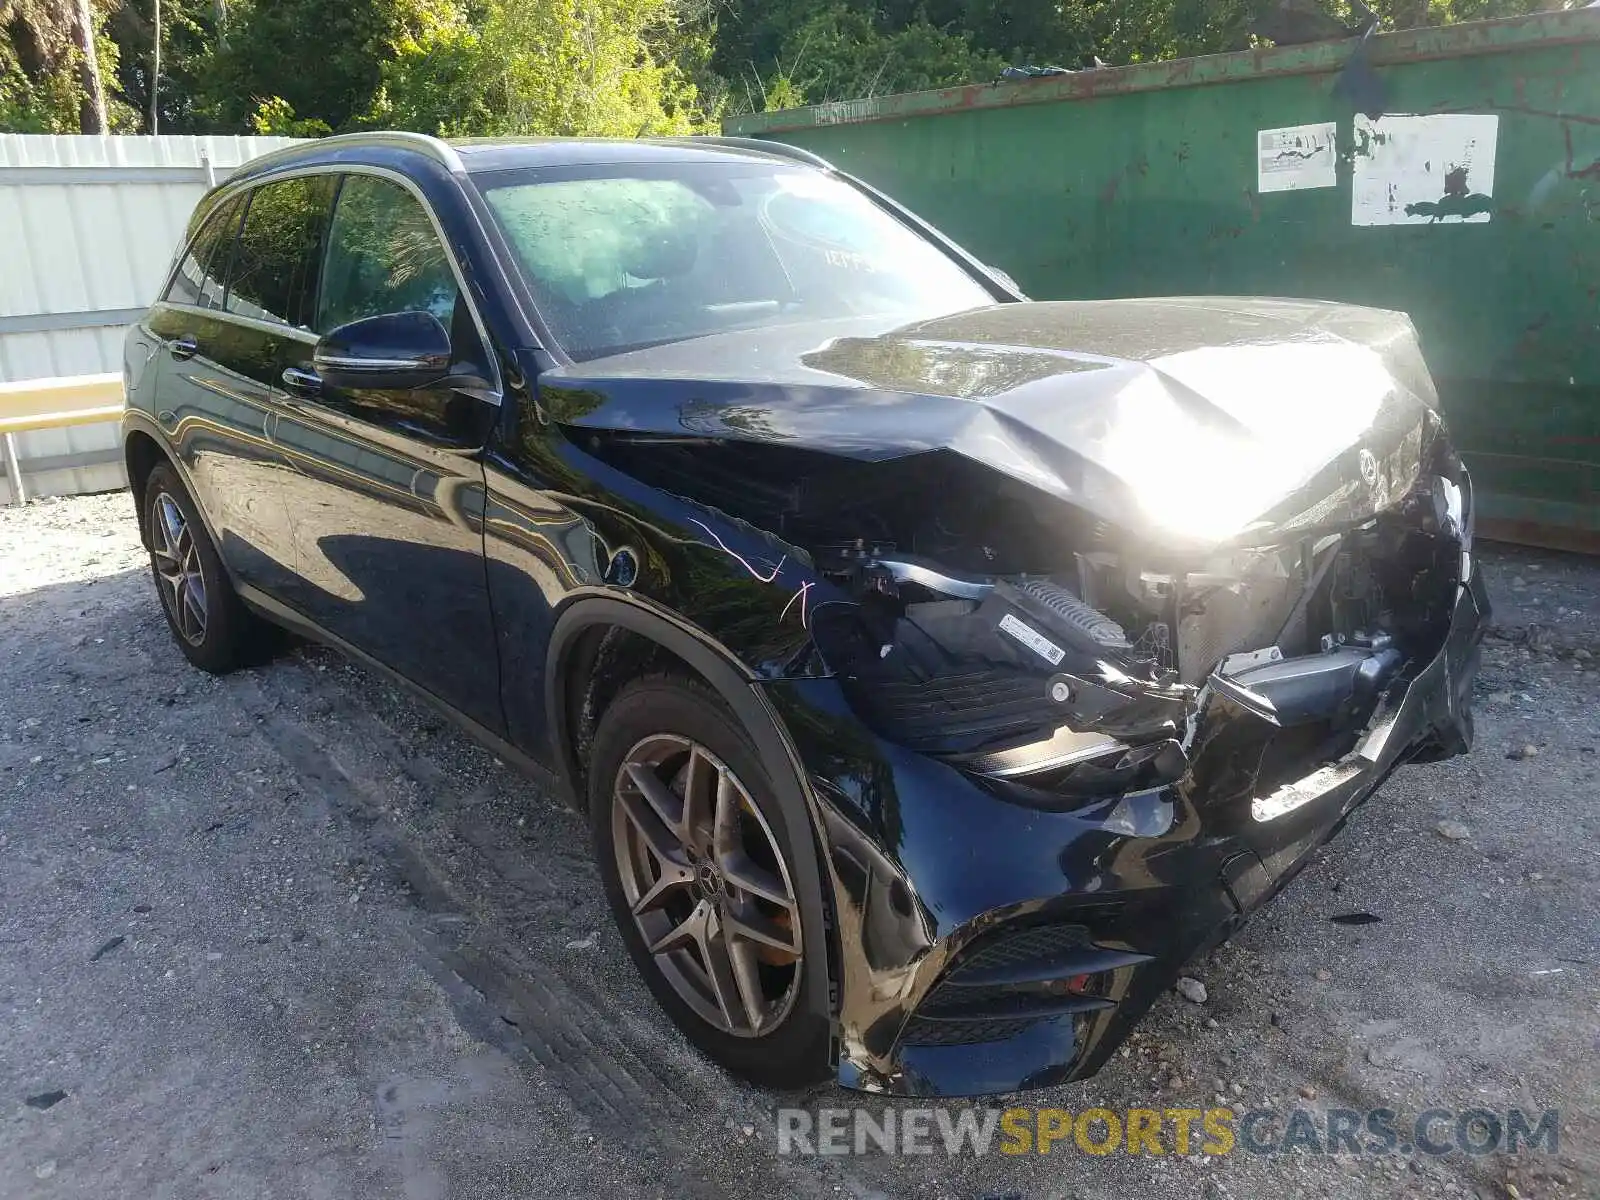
(973, 617)
(1085, 624)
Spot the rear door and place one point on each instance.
(217, 411)
(387, 495)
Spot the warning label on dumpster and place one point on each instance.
(1296, 157)
(1414, 170)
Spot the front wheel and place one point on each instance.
(699, 872)
(210, 623)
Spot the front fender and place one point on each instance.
(735, 685)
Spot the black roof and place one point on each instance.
(466, 155)
(495, 154)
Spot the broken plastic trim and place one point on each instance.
(1063, 748)
(1294, 691)
(1252, 702)
(1090, 783)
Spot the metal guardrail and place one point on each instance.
(55, 322)
(53, 404)
(67, 174)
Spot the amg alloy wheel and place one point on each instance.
(177, 566)
(703, 870)
(706, 885)
(211, 624)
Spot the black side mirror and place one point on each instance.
(392, 352)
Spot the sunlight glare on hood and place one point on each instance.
(1302, 403)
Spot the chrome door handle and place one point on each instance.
(301, 383)
(183, 347)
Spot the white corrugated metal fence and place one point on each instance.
(88, 226)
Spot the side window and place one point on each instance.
(204, 269)
(275, 265)
(383, 257)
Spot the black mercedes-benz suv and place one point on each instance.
(939, 670)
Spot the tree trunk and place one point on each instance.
(92, 108)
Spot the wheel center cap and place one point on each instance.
(709, 881)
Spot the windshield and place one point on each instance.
(631, 255)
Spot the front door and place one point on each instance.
(387, 496)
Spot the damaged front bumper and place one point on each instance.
(985, 945)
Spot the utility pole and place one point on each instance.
(155, 74)
(92, 107)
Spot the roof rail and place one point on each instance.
(440, 151)
(436, 148)
(776, 149)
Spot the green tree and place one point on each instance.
(38, 93)
(624, 67)
(837, 53)
(274, 117)
(55, 57)
(1018, 31)
(606, 67)
(437, 80)
(773, 51)
(192, 33)
(323, 60)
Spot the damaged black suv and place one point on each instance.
(938, 670)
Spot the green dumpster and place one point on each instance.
(1471, 201)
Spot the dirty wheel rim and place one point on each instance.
(707, 885)
(178, 572)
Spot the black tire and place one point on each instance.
(227, 636)
(797, 1051)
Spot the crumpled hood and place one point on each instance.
(1194, 421)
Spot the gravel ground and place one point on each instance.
(289, 934)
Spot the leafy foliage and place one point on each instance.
(38, 93)
(542, 67)
(274, 117)
(853, 48)
(324, 60)
(618, 67)
(41, 90)
(837, 52)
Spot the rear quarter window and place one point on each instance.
(203, 272)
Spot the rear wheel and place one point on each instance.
(699, 871)
(209, 622)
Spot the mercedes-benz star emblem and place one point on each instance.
(1369, 467)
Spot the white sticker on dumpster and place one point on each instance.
(1423, 170)
(1295, 158)
(1033, 639)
